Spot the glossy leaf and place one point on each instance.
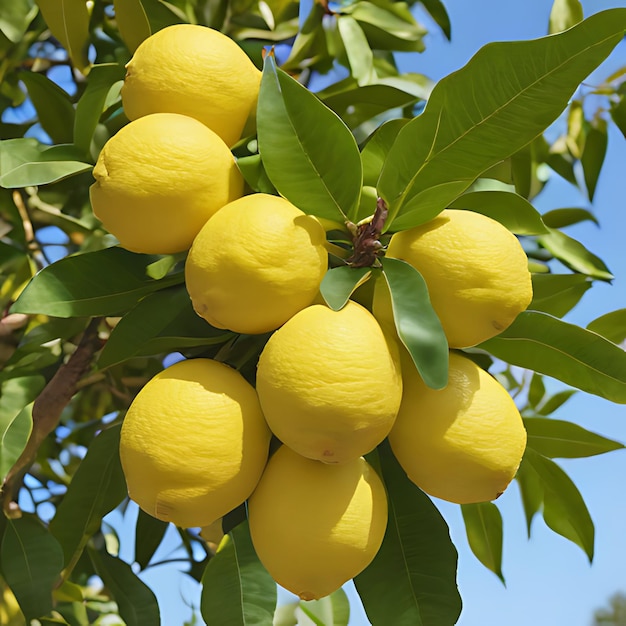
(136, 602)
(376, 148)
(416, 322)
(561, 439)
(53, 105)
(358, 51)
(255, 175)
(412, 579)
(161, 322)
(132, 22)
(236, 588)
(31, 561)
(564, 509)
(557, 294)
(68, 21)
(149, 532)
(564, 15)
(574, 255)
(577, 357)
(611, 325)
(531, 491)
(483, 525)
(511, 210)
(339, 284)
(96, 489)
(309, 154)
(592, 158)
(559, 218)
(106, 282)
(443, 150)
(93, 101)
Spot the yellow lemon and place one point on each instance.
(193, 443)
(256, 263)
(196, 71)
(159, 179)
(316, 526)
(462, 443)
(475, 269)
(328, 383)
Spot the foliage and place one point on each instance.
(81, 334)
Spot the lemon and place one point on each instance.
(196, 71)
(316, 526)
(462, 443)
(475, 269)
(193, 443)
(328, 383)
(256, 263)
(159, 179)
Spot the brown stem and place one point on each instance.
(47, 410)
(366, 239)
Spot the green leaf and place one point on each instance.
(536, 390)
(236, 588)
(558, 293)
(562, 439)
(68, 21)
(53, 105)
(255, 175)
(340, 283)
(618, 114)
(511, 210)
(574, 255)
(438, 12)
(332, 610)
(417, 323)
(360, 56)
(551, 404)
(564, 15)
(93, 101)
(573, 355)
(97, 487)
(136, 602)
(309, 154)
(149, 532)
(559, 218)
(593, 155)
(442, 151)
(31, 561)
(483, 525)
(17, 395)
(132, 22)
(531, 491)
(15, 17)
(412, 579)
(105, 282)
(25, 162)
(376, 148)
(161, 322)
(564, 509)
(611, 325)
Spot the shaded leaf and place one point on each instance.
(536, 390)
(376, 147)
(611, 325)
(578, 357)
(339, 284)
(149, 532)
(132, 22)
(332, 610)
(511, 210)
(15, 17)
(412, 579)
(438, 12)
(564, 14)
(554, 402)
(97, 487)
(558, 293)
(309, 154)
(593, 155)
(105, 282)
(618, 114)
(31, 561)
(443, 150)
(236, 588)
(255, 175)
(559, 218)
(417, 323)
(483, 525)
(562, 439)
(531, 491)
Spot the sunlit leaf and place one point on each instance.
(332, 610)
(340, 282)
(578, 357)
(557, 294)
(561, 439)
(483, 525)
(412, 579)
(417, 323)
(309, 154)
(255, 175)
(236, 588)
(564, 15)
(611, 325)
(358, 51)
(375, 150)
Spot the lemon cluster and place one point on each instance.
(330, 385)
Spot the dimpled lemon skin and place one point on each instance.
(462, 443)
(256, 263)
(196, 71)
(329, 384)
(159, 179)
(194, 443)
(475, 269)
(315, 526)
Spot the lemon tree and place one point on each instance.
(265, 290)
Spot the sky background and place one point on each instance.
(549, 581)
